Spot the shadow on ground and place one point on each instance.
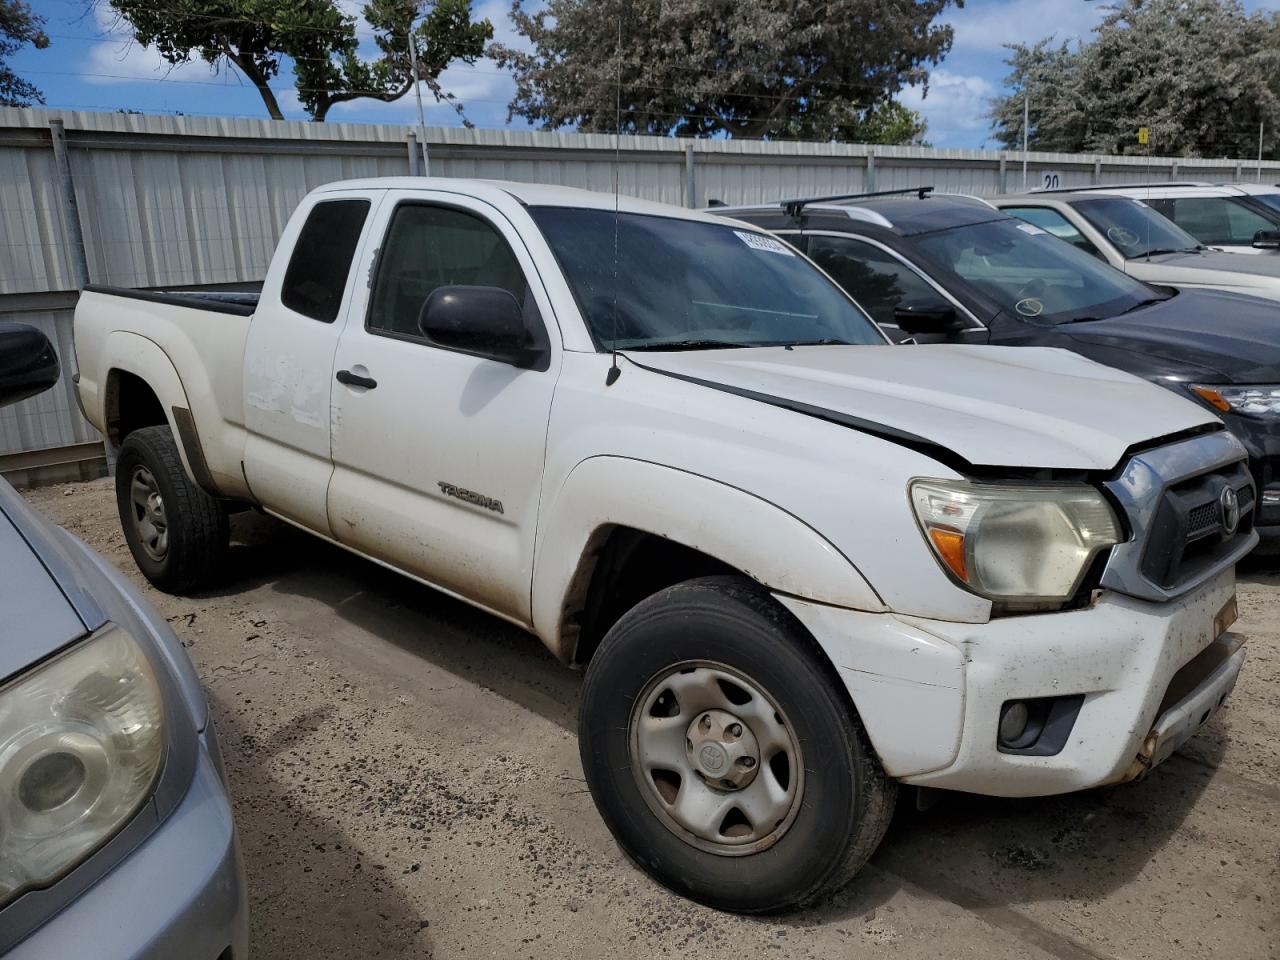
(984, 854)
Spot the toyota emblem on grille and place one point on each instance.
(1230, 511)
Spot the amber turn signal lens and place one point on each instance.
(950, 546)
(1212, 397)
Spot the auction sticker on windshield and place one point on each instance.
(758, 241)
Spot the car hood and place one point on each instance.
(1210, 267)
(991, 406)
(1234, 337)
(39, 618)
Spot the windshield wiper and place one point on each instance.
(691, 344)
(1160, 253)
(819, 342)
(1142, 303)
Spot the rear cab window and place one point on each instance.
(321, 261)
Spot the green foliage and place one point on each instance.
(746, 68)
(1200, 74)
(18, 25)
(256, 35)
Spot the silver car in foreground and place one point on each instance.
(116, 835)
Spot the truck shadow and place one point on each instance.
(311, 887)
(986, 855)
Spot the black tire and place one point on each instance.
(196, 524)
(847, 800)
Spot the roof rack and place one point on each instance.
(1127, 186)
(793, 207)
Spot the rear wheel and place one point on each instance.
(177, 533)
(724, 756)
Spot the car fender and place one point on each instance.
(740, 529)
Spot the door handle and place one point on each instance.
(355, 380)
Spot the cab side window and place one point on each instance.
(1051, 221)
(321, 260)
(876, 279)
(427, 247)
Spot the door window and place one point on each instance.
(876, 279)
(429, 247)
(1051, 221)
(321, 261)
(1214, 219)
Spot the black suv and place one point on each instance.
(937, 267)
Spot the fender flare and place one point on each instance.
(133, 353)
(751, 534)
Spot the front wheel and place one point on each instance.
(177, 533)
(722, 754)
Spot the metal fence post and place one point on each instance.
(415, 158)
(1173, 170)
(70, 209)
(1004, 173)
(870, 185)
(690, 178)
(1097, 172)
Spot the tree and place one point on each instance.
(18, 25)
(256, 36)
(746, 68)
(1201, 75)
(447, 33)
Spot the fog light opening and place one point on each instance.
(1014, 718)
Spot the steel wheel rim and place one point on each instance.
(680, 743)
(149, 519)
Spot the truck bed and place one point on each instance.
(238, 302)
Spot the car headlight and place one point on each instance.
(82, 740)
(1018, 545)
(1249, 400)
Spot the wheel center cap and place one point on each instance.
(722, 750)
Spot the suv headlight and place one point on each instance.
(1018, 545)
(82, 740)
(1250, 400)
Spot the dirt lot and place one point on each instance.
(407, 784)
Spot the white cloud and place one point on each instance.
(121, 59)
(986, 28)
(955, 106)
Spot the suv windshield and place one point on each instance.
(683, 284)
(1134, 228)
(1033, 274)
(1271, 200)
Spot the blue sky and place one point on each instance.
(91, 63)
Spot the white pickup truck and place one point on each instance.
(801, 565)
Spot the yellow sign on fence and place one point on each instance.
(1144, 136)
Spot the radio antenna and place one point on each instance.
(611, 377)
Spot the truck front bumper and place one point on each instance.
(930, 693)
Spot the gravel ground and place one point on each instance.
(407, 784)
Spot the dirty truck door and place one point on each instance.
(438, 453)
(288, 366)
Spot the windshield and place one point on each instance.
(1033, 274)
(1134, 228)
(684, 284)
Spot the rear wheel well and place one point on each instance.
(628, 565)
(131, 404)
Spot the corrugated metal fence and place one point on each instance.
(167, 201)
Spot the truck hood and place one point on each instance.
(991, 406)
(1218, 335)
(1260, 275)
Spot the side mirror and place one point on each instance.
(926, 316)
(486, 321)
(1267, 240)
(28, 364)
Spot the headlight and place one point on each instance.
(81, 743)
(1253, 401)
(1018, 545)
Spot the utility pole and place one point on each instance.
(417, 90)
(1261, 125)
(1026, 122)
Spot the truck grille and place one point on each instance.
(1190, 533)
(1191, 508)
